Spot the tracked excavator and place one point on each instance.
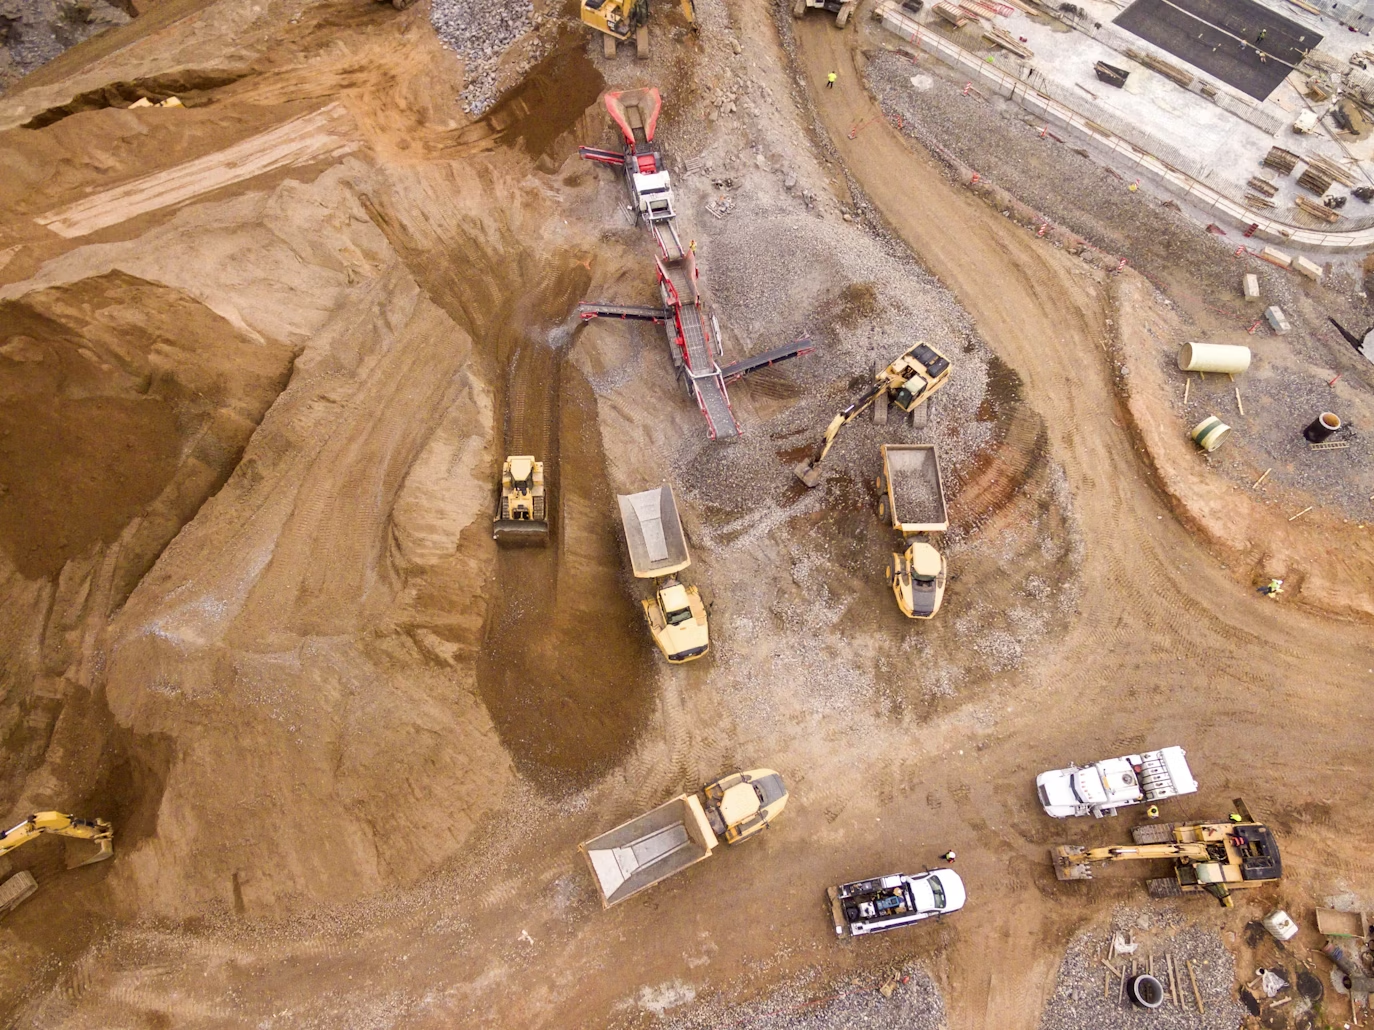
(17, 888)
(841, 9)
(522, 509)
(1212, 858)
(618, 20)
(910, 381)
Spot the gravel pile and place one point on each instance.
(33, 32)
(1078, 1002)
(482, 33)
(903, 999)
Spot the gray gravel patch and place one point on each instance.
(1078, 1002)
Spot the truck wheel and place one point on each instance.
(882, 507)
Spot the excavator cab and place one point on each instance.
(618, 20)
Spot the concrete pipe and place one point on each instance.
(1146, 991)
(1213, 357)
(1209, 433)
(1322, 427)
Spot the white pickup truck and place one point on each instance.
(1101, 788)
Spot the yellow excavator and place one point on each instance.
(1212, 858)
(907, 383)
(618, 20)
(97, 831)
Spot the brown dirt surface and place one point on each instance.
(349, 746)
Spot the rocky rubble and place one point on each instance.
(482, 34)
(33, 32)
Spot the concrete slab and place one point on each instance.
(1250, 286)
(1310, 269)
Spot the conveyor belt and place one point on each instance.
(740, 369)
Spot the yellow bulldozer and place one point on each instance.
(1211, 858)
(522, 508)
(618, 20)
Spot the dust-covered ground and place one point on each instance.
(262, 357)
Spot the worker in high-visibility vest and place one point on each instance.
(830, 80)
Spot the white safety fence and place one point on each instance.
(1197, 193)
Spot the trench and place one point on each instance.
(565, 667)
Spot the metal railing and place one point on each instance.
(1197, 193)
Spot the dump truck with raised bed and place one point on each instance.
(889, 902)
(522, 515)
(682, 832)
(912, 494)
(1100, 788)
(911, 380)
(1212, 858)
(658, 551)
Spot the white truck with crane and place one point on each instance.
(1100, 788)
(681, 832)
(913, 495)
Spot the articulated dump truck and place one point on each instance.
(913, 495)
(682, 832)
(658, 551)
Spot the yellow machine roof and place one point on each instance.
(738, 804)
(925, 561)
(675, 597)
(521, 465)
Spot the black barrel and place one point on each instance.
(1322, 426)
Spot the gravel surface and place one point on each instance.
(482, 33)
(1078, 1002)
(911, 1002)
(33, 32)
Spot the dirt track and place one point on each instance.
(328, 814)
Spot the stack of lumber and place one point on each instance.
(1262, 186)
(951, 14)
(1316, 210)
(1169, 71)
(1008, 42)
(1331, 170)
(1314, 180)
(1280, 160)
(1258, 203)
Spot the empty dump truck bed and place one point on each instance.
(649, 848)
(653, 532)
(915, 493)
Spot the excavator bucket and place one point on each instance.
(809, 472)
(106, 851)
(1068, 863)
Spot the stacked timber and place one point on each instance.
(1314, 180)
(951, 14)
(1282, 161)
(1258, 203)
(1169, 71)
(1331, 170)
(1262, 186)
(1008, 42)
(1316, 210)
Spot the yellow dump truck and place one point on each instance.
(913, 495)
(681, 832)
(658, 551)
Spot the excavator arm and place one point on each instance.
(809, 471)
(1072, 861)
(97, 831)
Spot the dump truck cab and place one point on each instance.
(918, 580)
(742, 805)
(921, 371)
(677, 622)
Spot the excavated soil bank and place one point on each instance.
(564, 668)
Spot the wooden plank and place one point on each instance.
(1197, 995)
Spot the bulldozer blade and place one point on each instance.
(106, 851)
(520, 533)
(808, 473)
(1067, 865)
